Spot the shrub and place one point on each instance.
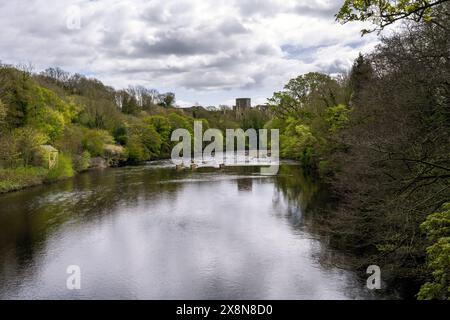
(62, 170)
(94, 141)
(137, 150)
(82, 162)
(121, 135)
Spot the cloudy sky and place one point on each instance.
(207, 52)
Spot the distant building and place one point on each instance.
(242, 105)
(50, 155)
(264, 108)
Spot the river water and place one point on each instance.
(150, 232)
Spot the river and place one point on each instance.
(150, 232)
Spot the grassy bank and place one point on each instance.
(20, 178)
(13, 179)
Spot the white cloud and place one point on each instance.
(205, 51)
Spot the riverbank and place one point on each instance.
(15, 179)
(21, 178)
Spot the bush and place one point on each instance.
(137, 150)
(82, 162)
(62, 170)
(94, 141)
(121, 135)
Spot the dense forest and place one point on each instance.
(379, 136)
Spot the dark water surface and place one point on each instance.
(150, 232)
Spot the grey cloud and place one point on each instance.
(310, 8)
(314, 10)
(175, 43)
(208, 81)
(250, 8)
(305, 54)
(231, 27)
(335, 67)
(199, 45)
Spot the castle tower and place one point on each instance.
(242, 105)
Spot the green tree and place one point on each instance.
(136, 149)
(94, 141)
(15, 92)
(437, 229)
(3, 113)
(306, 94)
(179, 122)
(385, 12)
(337, 117)
(144, 142)
(121, 134)
(167, 100)
(393, 169)
(164, 129)
(21, 147)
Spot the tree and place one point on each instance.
(167, 100)
(28, 142)
(145, 98)
(56, 74)
(314, 90)
(130, 104)
(15, 93)
(360, 78)
(386, 12)
(143, 142)
(393, 171)
(3, 112)
(163, 128)
(437, 229)
(94, 141)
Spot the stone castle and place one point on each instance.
(242, 105)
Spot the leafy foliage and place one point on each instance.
(437, 229)
(62, 170)
(94, 141)
(309, 111)
(385, 12)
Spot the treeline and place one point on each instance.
(381, 137)
(88, 123)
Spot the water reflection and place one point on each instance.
(150, 232)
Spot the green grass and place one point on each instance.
(19, 178)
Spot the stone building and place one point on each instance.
(242, 105)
